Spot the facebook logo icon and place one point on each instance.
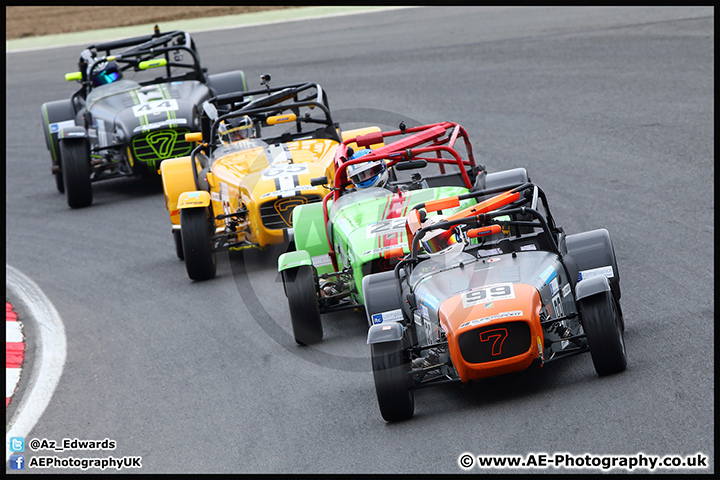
(17, 462)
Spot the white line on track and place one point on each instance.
(49, 355)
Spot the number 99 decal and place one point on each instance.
(487, 294)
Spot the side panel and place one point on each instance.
(595, 256)
(55, 116)
(177, 177)
(310, 236)
(382, 302)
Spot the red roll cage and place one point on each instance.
(423, 141)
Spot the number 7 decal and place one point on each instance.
(499, 334)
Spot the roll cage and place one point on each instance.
(267, 107)
(520, 219)
(142, 50)
(432, 143)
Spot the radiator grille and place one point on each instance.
(159, 145)
(495, 342)
(276, 214)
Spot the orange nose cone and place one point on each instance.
(492, 329)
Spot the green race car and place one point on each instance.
(360, 226)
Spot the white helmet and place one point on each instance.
(236, 129)
(369, 174)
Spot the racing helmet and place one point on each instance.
(440, 241)
(233, 130)
(370, 174)
(106, 73)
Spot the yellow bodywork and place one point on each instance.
(251, 178)
(250, 175)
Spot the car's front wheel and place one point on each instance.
(75, 171)
(604, 332)
(303, 302)
(59, 184)
(390, 370)
(177, 237)
(197, 243)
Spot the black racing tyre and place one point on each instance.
(197, 245)
(177, 237)
(59, 184)
(390, 370)
(303, 302)
(75, 155)
(604, 333)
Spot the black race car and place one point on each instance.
(137, 99)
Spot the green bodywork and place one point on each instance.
(363, 225)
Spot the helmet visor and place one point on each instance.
(103, 78)
(438, 240)
(364, 174)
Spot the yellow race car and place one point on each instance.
(257, 155)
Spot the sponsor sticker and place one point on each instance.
(566, 290)
(548, 274)
(321, 260)
(487, 294)
(480, 321)
(540, 349)
(389, 316)
(554, 286)
(55, 127)
(285, 170)
(557, 306)
(382, 249)
(385, 227)
(164, 123)
(596, 272)
(289, 192)
(155, 107)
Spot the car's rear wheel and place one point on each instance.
(177, 237)
(604, 333)
(390, 366)
(75, 171)
(303, 302)
(197, 244)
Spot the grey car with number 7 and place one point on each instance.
(492, 289)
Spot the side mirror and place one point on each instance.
(411, 165)
(318, 181)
